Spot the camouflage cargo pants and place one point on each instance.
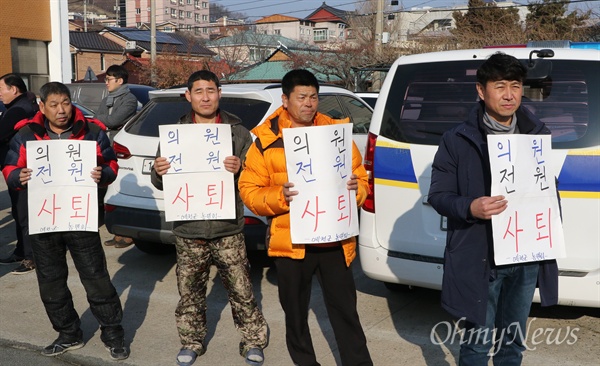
(194, 258)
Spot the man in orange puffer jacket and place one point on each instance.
(265, 190)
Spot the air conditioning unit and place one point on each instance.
(130, 45)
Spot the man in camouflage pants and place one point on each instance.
(204, 242)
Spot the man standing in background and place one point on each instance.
(20, 105)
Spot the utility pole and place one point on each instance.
(85, 15)
(379, 27)
(153, 42)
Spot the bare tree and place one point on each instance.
(548, 20)
(487, 24)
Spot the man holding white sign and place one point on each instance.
(488, 296)
(202, 242)
(266, 189)
(59, 120)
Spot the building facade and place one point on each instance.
(188, 15)
(34, 41)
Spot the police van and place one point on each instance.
(402, 238)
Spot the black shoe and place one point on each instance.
(11, 259)
(60, 346)
(26, 266)
(117, 349)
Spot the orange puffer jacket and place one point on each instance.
(261, 184)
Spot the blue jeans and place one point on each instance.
(51, 268)
(509, 301)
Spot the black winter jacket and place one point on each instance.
(460, 174)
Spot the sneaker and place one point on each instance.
(255, 356)
(117, 349)
(60, 346)
(26, 266)
(11, 259)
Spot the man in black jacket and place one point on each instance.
(20, 105)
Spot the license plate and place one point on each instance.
(444, 223)
(147, 166)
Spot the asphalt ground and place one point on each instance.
(402, 328)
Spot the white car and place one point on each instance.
(134, 207)
(402, 238)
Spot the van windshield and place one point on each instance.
(437, 98)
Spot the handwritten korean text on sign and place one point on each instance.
(197, 187)
(530, 229)
(319, 163)
(62, 196)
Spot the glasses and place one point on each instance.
(108, 79)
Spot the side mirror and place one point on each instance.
(539, 68)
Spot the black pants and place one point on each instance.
(18, 201)
(51, 268)
(294, 279)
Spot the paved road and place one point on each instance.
(397, 325)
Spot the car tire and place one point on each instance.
(154, 248)
(398, 287)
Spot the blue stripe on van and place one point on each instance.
(394, 164)
(580, 173)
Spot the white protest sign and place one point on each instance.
(319, 163)
(197, 186)
(62, 196)
(530, 229)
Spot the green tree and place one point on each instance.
(486, 24)
(548, 20)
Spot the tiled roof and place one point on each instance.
(341, 14)
(92, 41)
(277, 18)
(165, 42)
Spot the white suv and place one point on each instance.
(402, 238)
(134, 207)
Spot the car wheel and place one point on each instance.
(154, 248)
(398, 287)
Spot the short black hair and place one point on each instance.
(118, 72)
(53, 87)
(14, 80)
(202, 75)
(298, 77)
(501, 66)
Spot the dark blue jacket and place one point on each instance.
(460, 174)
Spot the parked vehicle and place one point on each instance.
(134, 207)
(91, 94)
(369, 97)
(402, 239)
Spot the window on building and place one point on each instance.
(30, 61)
(204, 5)
(197, 17)
(167, 11)
(173, 1)
(205, 17)
(188, 14)
(182, 2)
(102, 62)
(205, 30)
(189, 2)
(320, 35)
(138, 24)
(301, 30)
(197, 4)
(138, 11)
(188, 27)
(181, 14)
(173, 13)
(277, 31)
